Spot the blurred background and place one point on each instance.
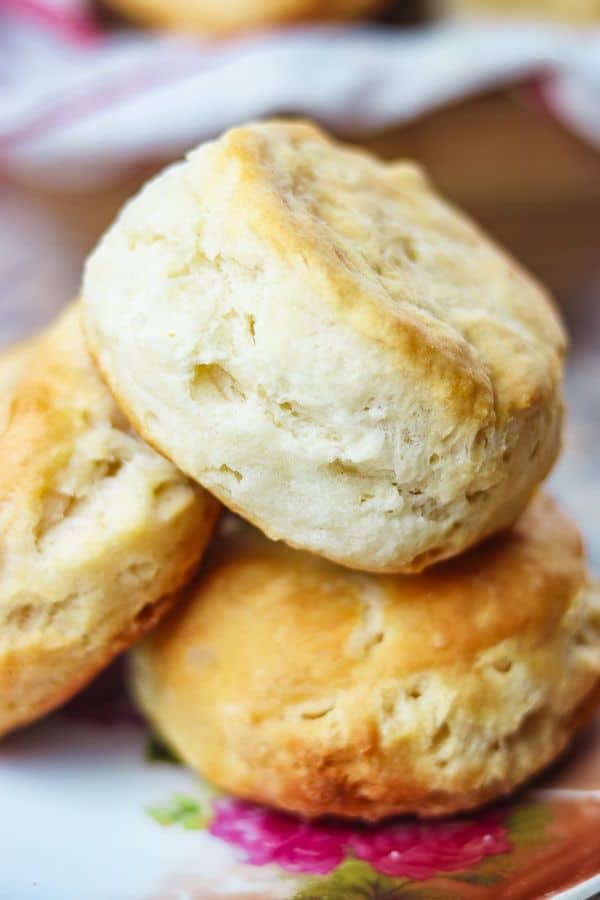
(498, 99)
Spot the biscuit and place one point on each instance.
(570, 10)
(330, 348)
(97, 531)
(293, 682)
(214, 15)
(13, 362)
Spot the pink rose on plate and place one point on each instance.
(267, 836)
(422, 850)
(397, 849)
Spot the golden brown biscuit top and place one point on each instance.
(13, 363)
(57, 398)
(74, 476)
(332, 621)
(395, 260)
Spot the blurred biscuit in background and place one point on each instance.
(569, 10)
(234, 15)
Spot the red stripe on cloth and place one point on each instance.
(79, 103)
(99, 96)
(75, 27)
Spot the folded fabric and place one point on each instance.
(79, 104)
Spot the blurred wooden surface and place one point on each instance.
(531, 183)
(534, 185)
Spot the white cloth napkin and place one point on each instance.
(79, 104)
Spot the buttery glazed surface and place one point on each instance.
(291, 681)
(13, 362)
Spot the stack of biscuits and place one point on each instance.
(396, 619)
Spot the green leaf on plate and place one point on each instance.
(356, 880)
(190, 813)
(527, 823)
(157, 751)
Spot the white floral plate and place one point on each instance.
(93, 808)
